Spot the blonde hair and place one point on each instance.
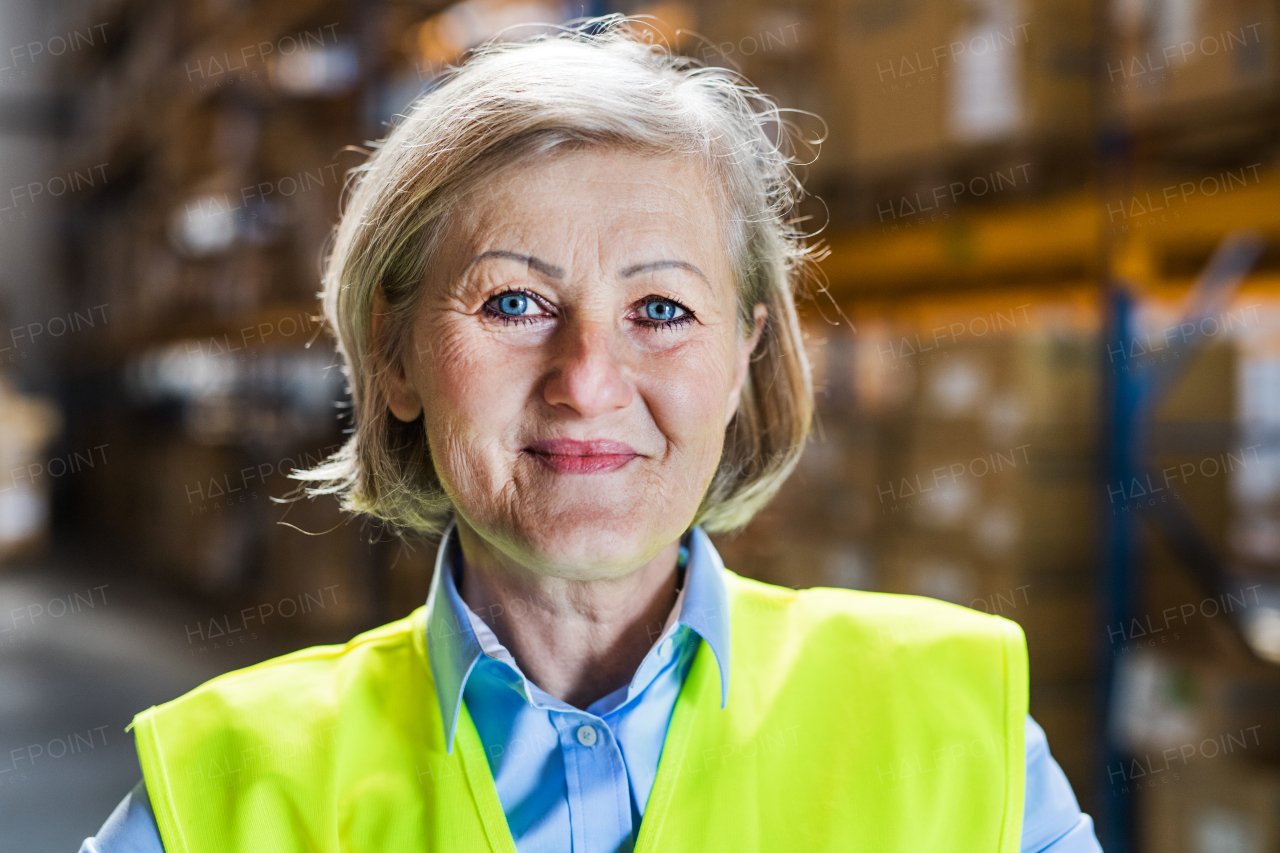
(602, 85)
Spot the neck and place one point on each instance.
(577, 640)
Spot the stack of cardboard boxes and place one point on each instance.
(954, 457)
(215, 142)
(1170, 59)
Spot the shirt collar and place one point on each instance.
(705, 608)
(453, 647)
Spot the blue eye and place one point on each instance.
(662, 311)
(517, 307)
(514, 304)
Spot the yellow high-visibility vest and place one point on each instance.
(855, 722)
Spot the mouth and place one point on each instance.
(569, 456)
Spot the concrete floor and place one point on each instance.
(80, 653)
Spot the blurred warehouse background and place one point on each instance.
(1047, 335)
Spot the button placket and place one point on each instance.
(597, 782)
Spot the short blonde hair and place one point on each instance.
(603, 85)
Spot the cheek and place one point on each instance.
(473, 390)
(688, 396)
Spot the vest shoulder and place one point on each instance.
(303, 677)
(889, 617)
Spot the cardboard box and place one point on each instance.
(1223, 52)
(1209, 804)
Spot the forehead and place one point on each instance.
(616, 206)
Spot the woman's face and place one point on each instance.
(577, 356)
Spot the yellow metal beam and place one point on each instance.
(1062, 239)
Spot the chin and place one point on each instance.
(583, 540)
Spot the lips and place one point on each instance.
(569, 456)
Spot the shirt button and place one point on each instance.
(586, 736)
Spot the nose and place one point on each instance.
(588, 374)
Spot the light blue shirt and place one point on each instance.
(575, 779)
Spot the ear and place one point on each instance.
(742, 361)
(389, 370)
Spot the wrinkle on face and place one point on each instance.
(618, 228)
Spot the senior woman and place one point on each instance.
(563, 290)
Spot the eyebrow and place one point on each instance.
(664, 265)
(553, 271)
(535, 264)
